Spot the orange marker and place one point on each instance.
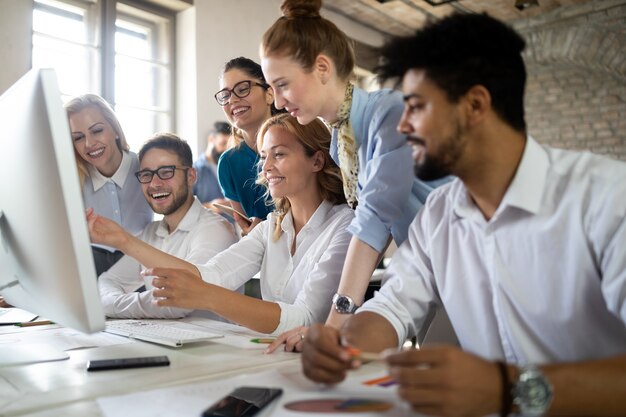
(358, 354)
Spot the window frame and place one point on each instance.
(101, 16)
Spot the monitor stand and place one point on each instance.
(16, 352)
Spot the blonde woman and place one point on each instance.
(106, 168)
(298, 250)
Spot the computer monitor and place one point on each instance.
(46, 264)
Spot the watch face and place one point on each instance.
(343, 304)
(533, 393)
(536, 394)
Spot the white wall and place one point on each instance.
(16, 23)
(225, 30)
(186, 97)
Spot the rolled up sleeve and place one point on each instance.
(385, 174)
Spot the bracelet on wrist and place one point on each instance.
(506, 398)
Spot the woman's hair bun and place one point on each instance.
(293, 9)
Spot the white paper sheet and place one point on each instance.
(61, 338)
(192, 399)
(234, 335)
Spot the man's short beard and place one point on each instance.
(179, 201)
(430, 170)
(176, 204)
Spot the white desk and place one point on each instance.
(65, 388)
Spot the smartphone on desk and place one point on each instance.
(229, 210)
(243, 402)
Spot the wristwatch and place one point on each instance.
(344, 304)
(532, 392)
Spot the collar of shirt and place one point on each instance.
(98, 180)
(525, 191)
(187, 223)
(316, 220)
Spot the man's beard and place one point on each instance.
(176, 204)
(440, 166)
(430, 170)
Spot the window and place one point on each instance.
(63, 39)
(114, 48)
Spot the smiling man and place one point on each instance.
(525, 249)
(187, 231)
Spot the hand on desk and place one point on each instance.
(446, 381)
(324, 359)
(292, 339)
(105, 231)
(440, 380)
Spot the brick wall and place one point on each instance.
(573, 108)
(576, 92)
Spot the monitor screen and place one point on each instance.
(46, 265)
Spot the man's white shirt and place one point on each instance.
(200, 235)
(544, 280)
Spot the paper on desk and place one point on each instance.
(192, 399)
(234, 335)
(62, 338)
(14, 315)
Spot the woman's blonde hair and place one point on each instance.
(303, 34)
(79, 103)
(313, 137)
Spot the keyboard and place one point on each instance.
(163, 334)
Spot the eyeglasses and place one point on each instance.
(165, 173)
(241, 90)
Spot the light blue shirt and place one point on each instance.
(207, 187)
(389, 194)
(119, 197)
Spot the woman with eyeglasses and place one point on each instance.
(247, 102)
(298, 250)
(106, 167)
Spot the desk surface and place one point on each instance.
(66, 388)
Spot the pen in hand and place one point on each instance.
(357, 354)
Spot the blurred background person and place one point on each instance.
(207, 187)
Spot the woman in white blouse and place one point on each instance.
(298, 250)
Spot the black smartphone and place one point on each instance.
(243, 402)
(124, 363)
